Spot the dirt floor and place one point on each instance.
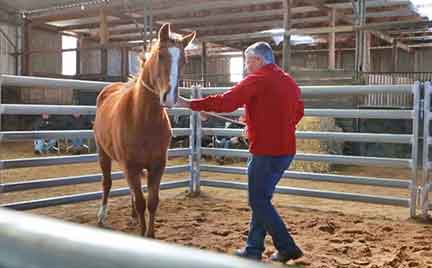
(332, 233)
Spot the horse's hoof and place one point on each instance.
(101, 224)
(152, 236)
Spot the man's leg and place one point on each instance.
(265, 174)
(50, 145)
(38, 146)
(255, 241)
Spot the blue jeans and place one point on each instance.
(76, 143)
(43, 146)
(264, 172)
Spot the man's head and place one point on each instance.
(258, 55)
(45, 116)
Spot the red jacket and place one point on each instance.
(273, 107)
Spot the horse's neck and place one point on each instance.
(146, 102)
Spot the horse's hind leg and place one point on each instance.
(105, 164)
(134, 181)
(153, 183)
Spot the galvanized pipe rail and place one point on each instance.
(195, 133)
(26, 109)
(411, 139)
(31, 241)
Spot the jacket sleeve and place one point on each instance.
(231, 100)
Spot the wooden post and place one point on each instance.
(286, 50)
(104, 37)
(332, 40)
(125, 63)
(366, 54)
(26, 58)
(416, 60)
(148, 25)
(360, 20)
(204, 63)
(78, 58)
(103, 30)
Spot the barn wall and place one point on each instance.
(7, 61)
(90, 60)
(46, 63)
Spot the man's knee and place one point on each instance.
(259, 204)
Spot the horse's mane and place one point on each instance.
(132, 79)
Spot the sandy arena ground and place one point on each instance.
(331, 233)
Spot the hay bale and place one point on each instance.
(310, 146)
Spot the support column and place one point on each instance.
(332, 40)
(366, 54)
(125, 63)
(148, 25)
(286, 50)
(26, 56)
(360, 19)
(78, 58)
(204, 63)
(104, 37)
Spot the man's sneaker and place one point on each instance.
(243, 254)
(286, 256)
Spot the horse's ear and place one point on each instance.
(164, 32)
(187, 39)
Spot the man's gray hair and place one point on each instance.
(262, 50)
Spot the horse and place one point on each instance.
(132, 127)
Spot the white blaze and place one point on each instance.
(175, 57)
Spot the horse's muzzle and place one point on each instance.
(169, 98)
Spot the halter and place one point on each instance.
(149, 88)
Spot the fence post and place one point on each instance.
(414, 148)
(1, 84)
(426, 184)
(195, 146)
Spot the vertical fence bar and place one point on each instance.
(414, 148)
(195, 144)
(426, 184)
(1, 84)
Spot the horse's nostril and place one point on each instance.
(165, 96)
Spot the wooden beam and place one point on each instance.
(390, 40)
(74, 13)
(94, 25)
(5, 35)
(317, 31)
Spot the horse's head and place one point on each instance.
(165, 64)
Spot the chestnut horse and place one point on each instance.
(133, 128)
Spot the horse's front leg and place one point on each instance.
(153, 182)
(134, 181)
(105, 163)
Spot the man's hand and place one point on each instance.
(182, 102)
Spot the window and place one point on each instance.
(69, 57)
(236, 69)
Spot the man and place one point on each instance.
(41, 145)
(77, 122)
(273, 107)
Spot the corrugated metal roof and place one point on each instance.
(33, 5)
